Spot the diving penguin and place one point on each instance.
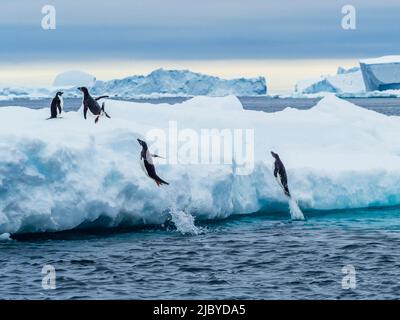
(146, 162)
(280, 174)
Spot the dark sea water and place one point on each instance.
(263, 255)
(388, 106)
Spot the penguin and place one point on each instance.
(91, 103)
(146, 162)
(56, 105)
(280, 174)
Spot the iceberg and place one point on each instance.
(180, 83)
(381, 73)
(74, 78)
(342, 70)
(378, 77)
(345, 81)
(159, 83)
(71, 173)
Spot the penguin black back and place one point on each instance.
(280, 173)
(89, 103)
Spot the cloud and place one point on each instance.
(207, 29)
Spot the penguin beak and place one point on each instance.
(61, 93)
(140, 141)
(79, 88)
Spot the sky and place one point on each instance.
(284, 40)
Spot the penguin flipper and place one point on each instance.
(85, 109)
(104, 112)
(101, 97)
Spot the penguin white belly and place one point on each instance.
(278, 178)
(62, 103)
(143, 167)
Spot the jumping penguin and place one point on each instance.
(91, 103)
(56, 105)
(146, 162)
(281, 177)
(280, 174)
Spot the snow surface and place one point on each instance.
(159, 83)
(382, 60)
(74, 78)
(69, 173)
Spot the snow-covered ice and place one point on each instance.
(68, 173)
(382, 60)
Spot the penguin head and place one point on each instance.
(83, 89)
(59, 93)
(275, 155)
(142, 143)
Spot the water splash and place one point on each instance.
(184, 222)
(295, 211)
(5, 237)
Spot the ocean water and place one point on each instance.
(388, 106)
(264, 255)
(257, 256)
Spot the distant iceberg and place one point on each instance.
(381, 73)
(342, 70)
(345, 81)
(379, 77)
(159, 83)
(180, 83)
(74, 78)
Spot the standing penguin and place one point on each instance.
(56, 105)
(91, 103)
(146, 162)
(280, 173)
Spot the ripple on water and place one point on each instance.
(258, 259)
